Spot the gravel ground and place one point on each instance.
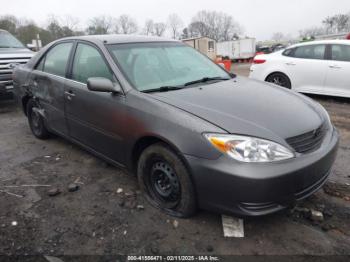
(107, 215)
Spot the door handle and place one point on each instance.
(290, 63)
(69, 94)
(335, 67)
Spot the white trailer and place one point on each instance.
(205, 45)
(237, 49)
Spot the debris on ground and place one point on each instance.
(303, 211)
(175, 223)
(11, 194)
(54, 191)
(14, 223)
(119, 190)
(316, 216)
(233, 227)
(73, 187)
(53, 259)
(77, 181)
(140, 207)
(336, 190)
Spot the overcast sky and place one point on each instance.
(259, 18)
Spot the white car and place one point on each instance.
(318, 67)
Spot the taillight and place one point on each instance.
(259, 61)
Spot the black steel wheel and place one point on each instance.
(165, 181)
(36, 121)
(279, 79)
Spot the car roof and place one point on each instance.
(340, 41)
(118, 39)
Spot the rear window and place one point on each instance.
(57, 59)
(341, 53)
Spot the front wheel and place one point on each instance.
(165, 181)
(36, 121)
(280, 80)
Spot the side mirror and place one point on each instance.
(31, 47)
(101, 84)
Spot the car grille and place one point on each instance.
(6, 69)
(309, 141)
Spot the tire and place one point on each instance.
(166, 182)
(279, 79)
(36, 121)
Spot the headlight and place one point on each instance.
(249, 149)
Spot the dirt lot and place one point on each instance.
(96, 219)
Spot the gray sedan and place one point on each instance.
(195, 135)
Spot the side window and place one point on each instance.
(57, 59)
(88, 62)
(310, 52)
(341, 53)
(288, 52)
(40, 66)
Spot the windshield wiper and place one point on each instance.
(163, 89)
(206, 79)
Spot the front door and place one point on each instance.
(95, 119)
(338, 79)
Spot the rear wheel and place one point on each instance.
(279, 79)
(165, 181)
(36, 121)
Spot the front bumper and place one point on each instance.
(252, 189)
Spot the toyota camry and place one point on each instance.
(195, 135)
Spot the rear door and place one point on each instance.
(306, 67)
(95, 119)
(47, 83)
(338, 71)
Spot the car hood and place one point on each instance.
(15, 52)
(249, 107)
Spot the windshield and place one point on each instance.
(9, 41)
(153, 65)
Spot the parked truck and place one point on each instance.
(241, 49)
(12, 54)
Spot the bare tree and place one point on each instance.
(100, 25)
(126, 25)
(329, 23)
(9, 23)
(312, 32)
(278, 37)
(70, 22)
(175, 24)
(159, 29)
(342, 22)
(149, 27)
(216, 25)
